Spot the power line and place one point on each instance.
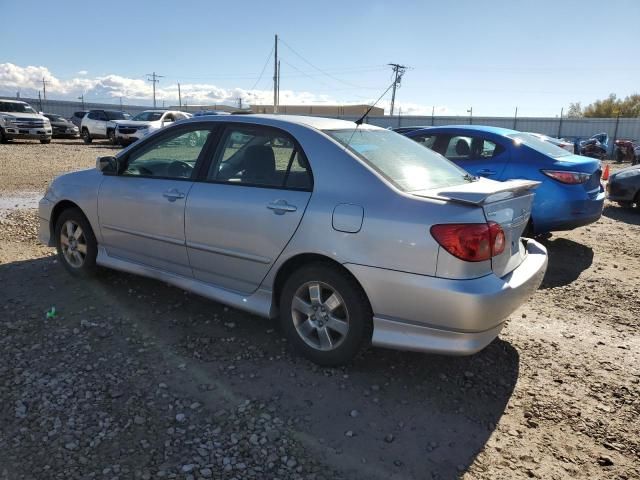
(154, 78)
(263, 68)
(317, 68)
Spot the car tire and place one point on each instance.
(325, 314)
(111, 135)
(77, 251)
(45, 140)
(3, 137)
(86, 136)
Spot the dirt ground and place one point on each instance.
(131, 378)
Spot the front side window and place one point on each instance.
(409, 166)
(260, 157)
(174, 156)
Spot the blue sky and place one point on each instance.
(491, 55)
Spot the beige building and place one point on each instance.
(320, 110)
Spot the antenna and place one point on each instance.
(361, 119)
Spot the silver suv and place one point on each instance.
(101, 124)
(20, 120)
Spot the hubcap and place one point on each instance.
(320, 315)
(73, 244)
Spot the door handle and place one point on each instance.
(172, 195)
(486, 171)
(279, 207)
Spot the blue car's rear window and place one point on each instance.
(541, 146)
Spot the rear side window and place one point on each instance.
(263, 157)
(471, 148)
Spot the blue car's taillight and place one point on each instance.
(570, 178)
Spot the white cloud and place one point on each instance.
(28, 80)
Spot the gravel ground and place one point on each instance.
(131, 378)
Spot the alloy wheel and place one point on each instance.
(320, 315)
(73, 244)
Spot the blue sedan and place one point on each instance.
(570, 195)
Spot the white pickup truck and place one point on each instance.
(19, 120)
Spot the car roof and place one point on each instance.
(6, 100)
(319, 123)
(474, 128)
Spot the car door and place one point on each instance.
(141, 210)
(477, 154)
(240, 218)
(100, 124)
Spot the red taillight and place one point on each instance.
(472, 242)
(571, 178)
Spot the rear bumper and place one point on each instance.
(568, 214)
(455, 317)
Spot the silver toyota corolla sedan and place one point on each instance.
(349, 234)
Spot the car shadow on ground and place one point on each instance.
(621, 214)
(559, 271)
(390, 414)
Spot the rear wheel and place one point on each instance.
(45, 140)
(3, 137)
(86, 136)
(325, 314)
(76, 243)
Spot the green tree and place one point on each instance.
(610, 107)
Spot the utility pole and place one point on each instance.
(515, 118)
(399, 71)
(120, 103)
(44, 88)
(81, 98)
(40, 100)
(240, 103)
(179, 96)
(433, 109)
(278, 84)
(154, 78)
(276, 78)
(470, 112)
(560, 124)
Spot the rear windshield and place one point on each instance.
(402, 161)
(117, 115)
(539, 145)
(147, 116)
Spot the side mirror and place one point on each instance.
(109, 165)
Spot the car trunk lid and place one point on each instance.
(506, 203)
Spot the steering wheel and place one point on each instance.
(179, 168)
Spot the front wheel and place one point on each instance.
(111, 135)
(325, 314)
(76, 243)
(45, 140)
(86, 136)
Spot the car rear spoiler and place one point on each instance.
(481, 191)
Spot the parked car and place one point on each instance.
(202, 113)
(558, 142)
(61, 127)
(625, 150)
(144, 123)
(19, 120)
(349, 234)
(623, 187)
(595, 146)
(571, 194)
(101, 124)
(77, 117)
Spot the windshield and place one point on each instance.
(147, 117)
(16, 107)
(117, 115)
(55, 118)
(539, 145)
(402, 161)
